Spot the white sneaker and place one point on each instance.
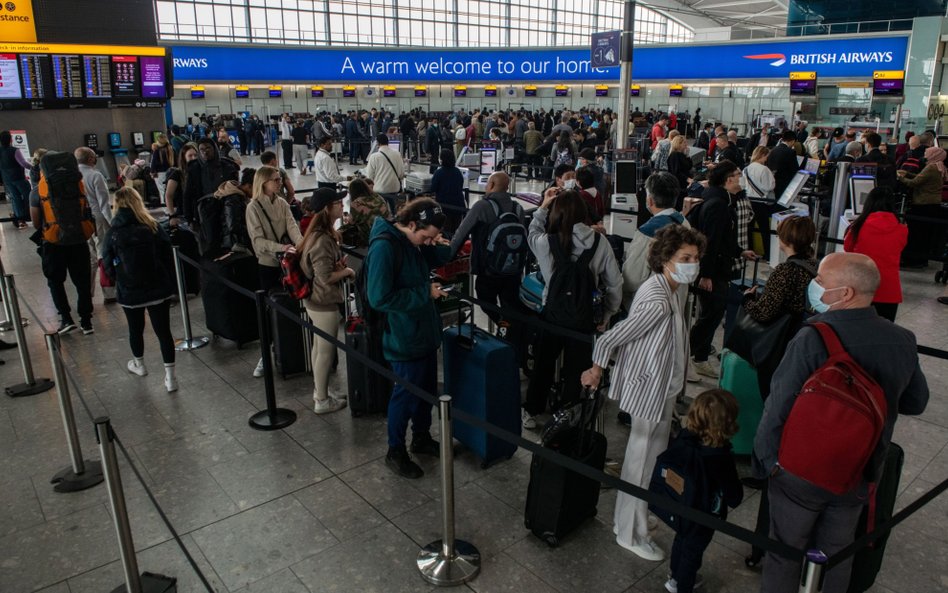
(136, 367)
(692, 375)
(528, 421)
(171, 384)
(705, 368)
(671, 585)
(328, 406)
(646, 551)
(341, 396)
(258, 371)
(652, 522)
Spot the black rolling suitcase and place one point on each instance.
(868, 561)
(369, 392)
(560, 500)
(289, 342)
(227, 313)
(183, 238)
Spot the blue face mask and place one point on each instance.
(814, 294)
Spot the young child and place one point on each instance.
(711, 422)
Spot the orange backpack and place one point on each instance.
(67, 218)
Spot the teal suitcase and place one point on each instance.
(740, 378)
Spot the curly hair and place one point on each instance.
(668, 241)
(713, 417)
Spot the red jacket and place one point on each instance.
(882, 238)
(658, 133)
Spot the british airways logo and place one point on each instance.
(780, 58)
(854, 57)
(190, 62)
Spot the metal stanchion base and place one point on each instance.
(6, 326)
(24, 389)
(281, 419)
(69, 481)
(192, 344)
(153, 583)
(447, 572)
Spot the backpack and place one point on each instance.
(67, 218)
(911, 164)
(679, 475)
(460, 134)
(563, 157)
(295, 281)
(569, 300)
(374, 321)
(835, 423)
(210, 213)
(505, 245)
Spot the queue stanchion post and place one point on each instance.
(32, 385)
(7, 324)
(189, 342)
(273, 418)
(134, 581)
(448, 562)
(81, 474)
(814, 565)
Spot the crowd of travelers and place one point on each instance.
(635, 300)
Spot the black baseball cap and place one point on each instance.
(323, 197)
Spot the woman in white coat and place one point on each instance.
(651, 354)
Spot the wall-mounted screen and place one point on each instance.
(460, 92)
(561, 92)
(125, 76)
(9, 78)
(197, 93)
(675, 91)
(317, 93)
(348, 93)
(153, 77)
(276, 93)
(634, 91)
(98, 77)
(388, 92)
(803, 88)
(888, 87)
(421, 92)
(529, 92)
(67, 76)
(242, 93)
(37, 76)
(602, 92)
(490, 92)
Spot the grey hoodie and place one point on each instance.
(603, 263)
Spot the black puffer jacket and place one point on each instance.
(140, 261)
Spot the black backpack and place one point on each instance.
(569, 300)
(210, 213)
(679, 475)
(505, 243)
(374, 321)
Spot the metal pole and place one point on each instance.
(32, 386)
(811, 580)
(8, 323)
(81, 474)
(273, 418)
(840, 195)
(448, 562)
(188, 343)
(113, 481)
(625, 76)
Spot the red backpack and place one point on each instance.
(294, 280)
(835, 423)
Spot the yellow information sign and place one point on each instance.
(888, 74)
(803, 76)
(16, 21)
(75, 48)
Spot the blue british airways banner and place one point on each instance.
(829, 57)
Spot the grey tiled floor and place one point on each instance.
(312, 508)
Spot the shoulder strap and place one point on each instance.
(754, 185)
(830, 339)
(805, 265)
(587, 255)
(396, 251)
(390, 164)
(269, 222)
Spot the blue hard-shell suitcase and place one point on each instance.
(482, 377)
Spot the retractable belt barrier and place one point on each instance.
(686, 512)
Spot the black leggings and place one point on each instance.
(160, 322)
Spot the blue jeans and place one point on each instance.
(405, 406)
(19, 193)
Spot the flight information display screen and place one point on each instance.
(36, 76)
(152, 72)
(98, 77)
(9, 78)
(67, 76)
(125, 76)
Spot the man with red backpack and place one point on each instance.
(827, 424)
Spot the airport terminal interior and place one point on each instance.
(217, 504)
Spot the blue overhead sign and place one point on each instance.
(829, 58)
(604, 49)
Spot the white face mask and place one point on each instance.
(684, 273)
(569, 184)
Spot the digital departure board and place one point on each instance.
(125, 76)
(153, 77)
(9, 78)
(98, 78)
(67, 76)
(36, 73)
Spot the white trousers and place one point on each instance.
(646, 440)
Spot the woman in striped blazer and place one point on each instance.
(650, 348)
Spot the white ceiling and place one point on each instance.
(761, 17)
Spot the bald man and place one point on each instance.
(802, 514)
(476, 224)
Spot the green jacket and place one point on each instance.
(413, 328)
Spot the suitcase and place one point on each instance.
(184, 239)
(868, 561)
(290, 354)
(559, 500)
(740, 378)
(482, 376)
(735, 295)
(229, 314)
(418, 182)
(369, 392)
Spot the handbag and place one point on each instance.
(104, 280)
